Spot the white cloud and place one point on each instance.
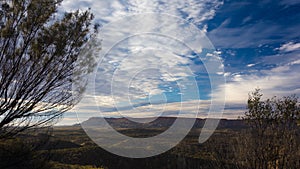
(289, 47)
(280, 69)
(227, 74)
(250, 65)
(296, 62)
(136, 64)
(196, 11)
(280, 81)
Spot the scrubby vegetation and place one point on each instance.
(268, 137)
(70, 148)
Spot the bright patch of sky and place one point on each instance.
(258, 42)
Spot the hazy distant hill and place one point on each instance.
(161, 122)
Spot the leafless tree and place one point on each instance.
(40, 51)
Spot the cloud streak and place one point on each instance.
(258, 41)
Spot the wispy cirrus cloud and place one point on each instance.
(257, 40)
(249, 24)
(196, 11)
(158, 67)
(289, 47)
(260, 44)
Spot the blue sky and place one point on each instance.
(256, 43)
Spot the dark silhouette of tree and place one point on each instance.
(40, 60)
(272, 140)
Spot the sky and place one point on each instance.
(160, 57)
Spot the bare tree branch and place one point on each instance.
(39, 62)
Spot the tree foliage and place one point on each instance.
(40, 51)
(272, 140)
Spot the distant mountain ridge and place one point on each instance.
(162, 122)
